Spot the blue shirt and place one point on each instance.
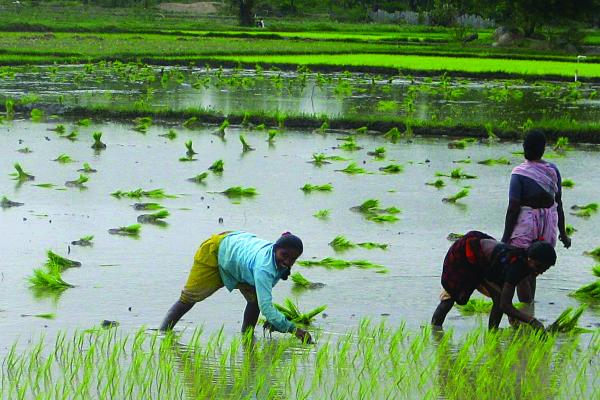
(244, 258)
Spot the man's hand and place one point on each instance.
(566, 241)
(536, 324)
(303, 335)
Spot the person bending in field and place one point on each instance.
(240, 260)
(478, 261)
(535, 209)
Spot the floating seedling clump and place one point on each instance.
(25, 150)
(340, 243)
(322, 214)
(480, 306)
(217, 167)
(98, 145)
(334, 263)
(588, 292)
(292, 313)
(171, 135)
(131, 230)
(79, 182)
(568, 183)
(200, 178)
(224, 125)
(72, 136)
(62, 262)
(308, 188)
(393, 135)
(379, 152)
(189, 123)
(461, 144)
(60, 129)
(239, 191)
(373, 212)
(456, 173)
(155, 218)
(392, 169)
(438, 183)
(87, 168)
(495, 161)
(453, 237)
(457, 196)
(20, 174)
(353, 169)
(142, 124)
(147, 206)
(561, 145)
(585, 211)
(6, 203)
(350, 144)
(245, 146)
(85, 241)
(593, 253)
(48, 278)
(324, 127)
(84, 122)
(37, 115)
(64, 159)
(139, 193)
(300, 281)
(189, 154)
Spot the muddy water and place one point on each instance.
(135, 281)
(509, 102)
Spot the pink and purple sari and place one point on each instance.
(537, 223)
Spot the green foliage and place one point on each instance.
(495, 161)
(48, 278)
(130, 230)
(322, 214)
(438, 183)
(350, 144)
(568, 183)
(292, 313)
(188, 123)
(392, 169)
(334, 263)
(37, 115)
(457, 173)
(245, 146)
(457, 196)
(594, 253)
(300, 280)
(84, 122)
(171, 134)
(352, 169)
(142, 124)
(308, 188)
(60, 262)
(393, 135)
(561, 145)
(362, 130)
(224, 125)
(340, 243)
(567, 321)
(588, 292)
(272, 134)
(21, 175)
(139, 193)
(379, 152)
(324, 127)
(461, 144)
(199, 178)
(585, 211)
(189, 149)
(98, 145)
(570, 229)
(238, 191)
(217, 166)
(64, 159)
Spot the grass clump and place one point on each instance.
(293, 313)
(322, 214)
(84, 122)
(308, 188)
(189, 154)
(48, 278)
(495, 161)
(199, 178)
(130, 230)
(21, 175)
(335, 263)
(588, 292)
(438, 183)
(570, 229)
(567, 321)
(62, 262)
(155, 218)
(373, 212)
(139, 193)
(561, 145)
(64, 159)
(60, 129)
(6, 203)
(340, 243)
(568, 183)
(393, 135)
(79, 182)
(300, 280)
(147, 206)
(72, 136)
(480, 306)
(142, 124)
(217, 167)
(457, 196)
(189, 123)
(461, 144)
(85, 241)
(245, 146)
(98, 144)
(379, 152)
(239, 191)
(350, 144)
(171, 134)
(352, 169)
(272, 133)
(392, 169)
(594, 253)
(37, 115)
(224, 125)
(585, 211)
(457, 173)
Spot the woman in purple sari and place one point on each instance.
(535, 211)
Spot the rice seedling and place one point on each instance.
(392, 169)
(453, 237)
(362, 130)
(217, 166)
(350, 144)
(495, 161)
(352, 169)
(9, 106)
(293, 313)
(461, 144)
(61, 262)
(596, 270)
(300, 281)
(561, 145)
(340, 243)
(155, 218)
(87, 168)
(130, 230)
(46, 185)
(37, 115)
(64, 159)
(147, 206)
(142, 124)
(457, 196)
(171, 134)
(593, 253)
(6, 203)
(260, 127)
(272, 133)
(189, 154)
(309, 188)
(491, 136)
(48, 278)
(480, 306)
(21, 175)
(238, 192)
(84, 122)
(199, 178)
(224, 125)
(334, 263)
(567, 321)
(457, 173)
(72, 136)
(245, 146)
(98, 145)
(25, 150)
(190, 122)
(585, 211)
(85, 241)
(393, 135)
(43, 316)
(79, 182)
(139, 193)
(382, 218)
(438, 183)
(379, 152)
(587, 292)
(570, 229)
(322, 214)
(60, 129)
(324, 127)
(568, 183)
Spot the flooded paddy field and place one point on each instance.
(134, 281)
(502, 103)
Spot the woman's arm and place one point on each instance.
(506, 306)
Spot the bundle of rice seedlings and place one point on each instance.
(238, 191)
(293, 313)
(567, 321)
(457, 196)
(62, 262)
(48, 277)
